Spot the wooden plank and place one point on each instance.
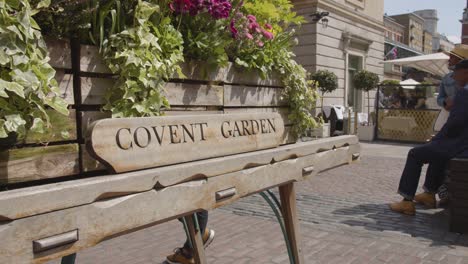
(94, 89)
(88, 163)
(248, 96)
(291, 220)
(200, 71)
(238, 75)
(62, 128)
(196, 239)
(109, 217)
(52, 197)
(91, 60)
(59, 53)
(65, 83)
(283, 111)
(127, 144)
(89, 117)
(28, 164)
(193, 94)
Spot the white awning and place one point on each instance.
(409, 84)
(432, 63)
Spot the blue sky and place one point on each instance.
(449, 11)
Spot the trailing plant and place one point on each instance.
(366, 81)
(327, 81)
(27, 84)
(145, 56)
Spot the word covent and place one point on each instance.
(135, 143)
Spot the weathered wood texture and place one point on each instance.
(202, 90)
(38, 163)
(108, 216)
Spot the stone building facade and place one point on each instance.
(414, 30)
(427, 42)
(353, 40)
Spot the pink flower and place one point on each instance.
(251, 18)
(233, 29)
(248, 35)
(268, 26)
(267, 34)
(260, 43)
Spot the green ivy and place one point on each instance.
(27, 84)
(145, 56)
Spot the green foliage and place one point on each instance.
(327, 81)
(366, 80)
(390, 83)
(145, 56)
(27, 84)
(277, 13)
(205, 39)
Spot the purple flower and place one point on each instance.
(219, 9)
(268, 26)
(233, 29)
(267, 34)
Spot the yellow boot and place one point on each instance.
(404, 207)
(427, 199)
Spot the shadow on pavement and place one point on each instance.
(428, 224)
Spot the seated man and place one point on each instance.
(448, 143)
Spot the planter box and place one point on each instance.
(366, 133)
(83, 85)
(321, 132)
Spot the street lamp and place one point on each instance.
(320, 17)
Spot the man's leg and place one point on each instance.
(202, 218)
(435, 176)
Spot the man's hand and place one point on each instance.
(448, 104)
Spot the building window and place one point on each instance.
(358, 3)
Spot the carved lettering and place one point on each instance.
(202, 130)
(236, 129)
(263, 125)
(255, 127)
(226, 132)
(272, 124)
(137, 138)
(245, 127)
(186, 131)
(159, 136)
(174, 137)
(120, 144)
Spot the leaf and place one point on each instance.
(58, 104)
(3, 132)
(14, 122)
(43, 3)
(12, 87)
(38, 126)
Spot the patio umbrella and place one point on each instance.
(435, 63)
(409, 84)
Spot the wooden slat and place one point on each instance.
(283, 111)
(94, 89)
(193, 94)
(65, 83)
(197, 242)
(91, 60)
(89, 164)
(62, 128)
(59, 53)
(237, 75)
(199, 71)
(89, 117)
(28, 164)
(248, 96)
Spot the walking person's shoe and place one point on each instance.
(404, 207)
(208, 237)
(427, 199)
(179, 257)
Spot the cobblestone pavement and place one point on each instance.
(344, 219)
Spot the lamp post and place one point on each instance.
(320, 17)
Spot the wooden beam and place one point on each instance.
(291, 220)
(197, 241)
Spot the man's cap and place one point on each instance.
(462, 65)
(460, 51)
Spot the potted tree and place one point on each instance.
(366, 81)
(327, 82)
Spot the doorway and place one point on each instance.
(355, 64)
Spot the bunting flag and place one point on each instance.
(393, 53)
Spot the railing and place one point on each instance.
(406, 113)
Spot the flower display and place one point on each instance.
(247, 27)
(218, 9)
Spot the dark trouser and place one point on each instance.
(202, 218)
(417, 157)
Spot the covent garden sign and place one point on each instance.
(128, 144)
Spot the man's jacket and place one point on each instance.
(453, 137)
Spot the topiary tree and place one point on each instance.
(327, 81)
(366, 81)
